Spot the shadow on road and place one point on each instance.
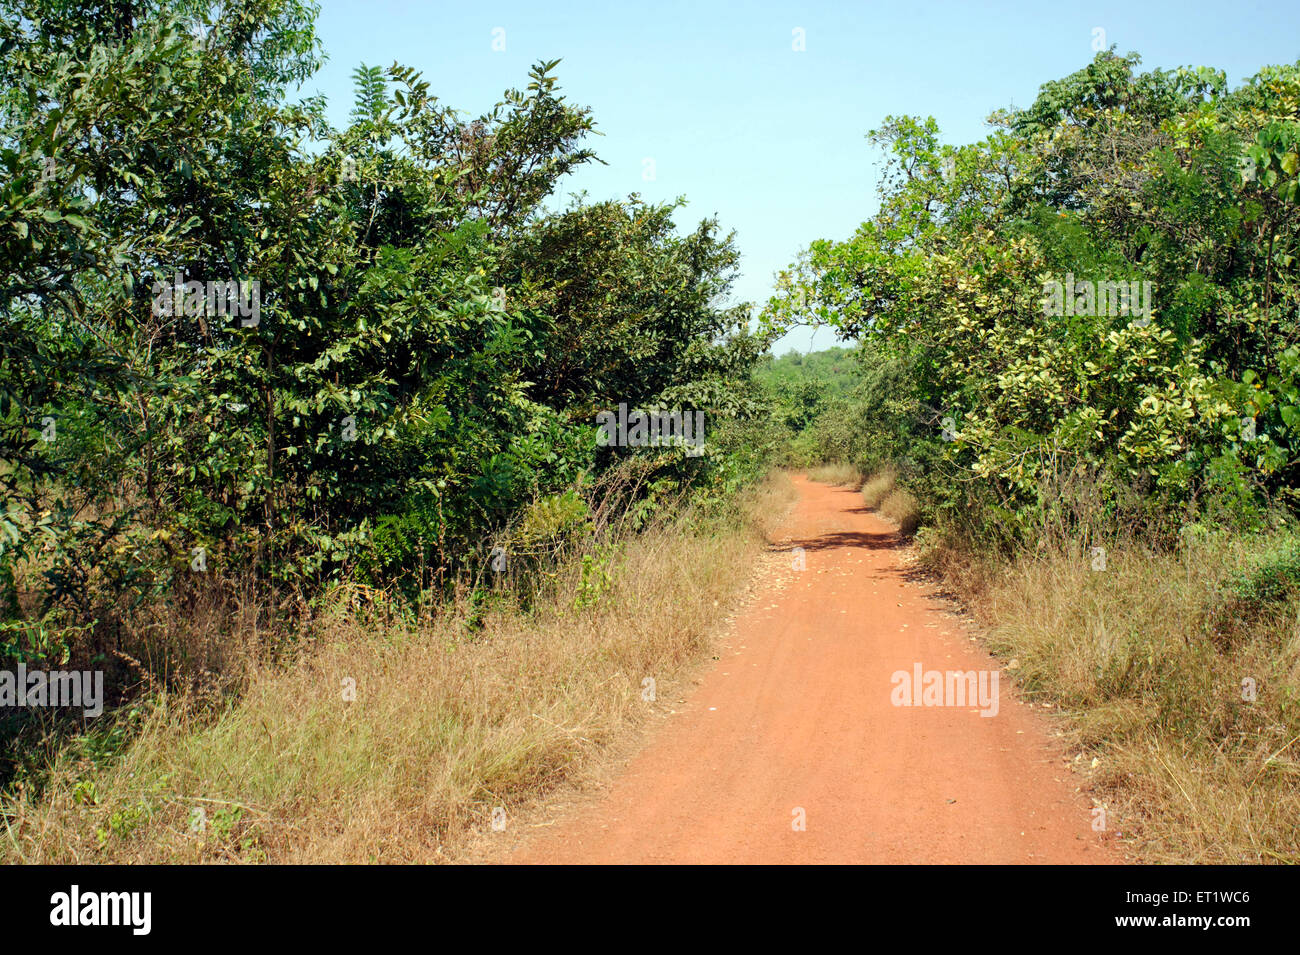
(833, 539)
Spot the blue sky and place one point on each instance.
(744, 126)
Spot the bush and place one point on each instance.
(1258, 592)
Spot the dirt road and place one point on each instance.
(792, 748)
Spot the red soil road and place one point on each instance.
(797, 714)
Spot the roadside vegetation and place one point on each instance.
(1109, 480)
(300, 450)
(394, 739)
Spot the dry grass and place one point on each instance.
(841, 475)
(902, 508)
(879, 486)
(881, 492)
(447, 722)
(1189, 770)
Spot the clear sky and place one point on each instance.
(770, 138)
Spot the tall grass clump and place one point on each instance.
(837, 473)
(879, 486)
